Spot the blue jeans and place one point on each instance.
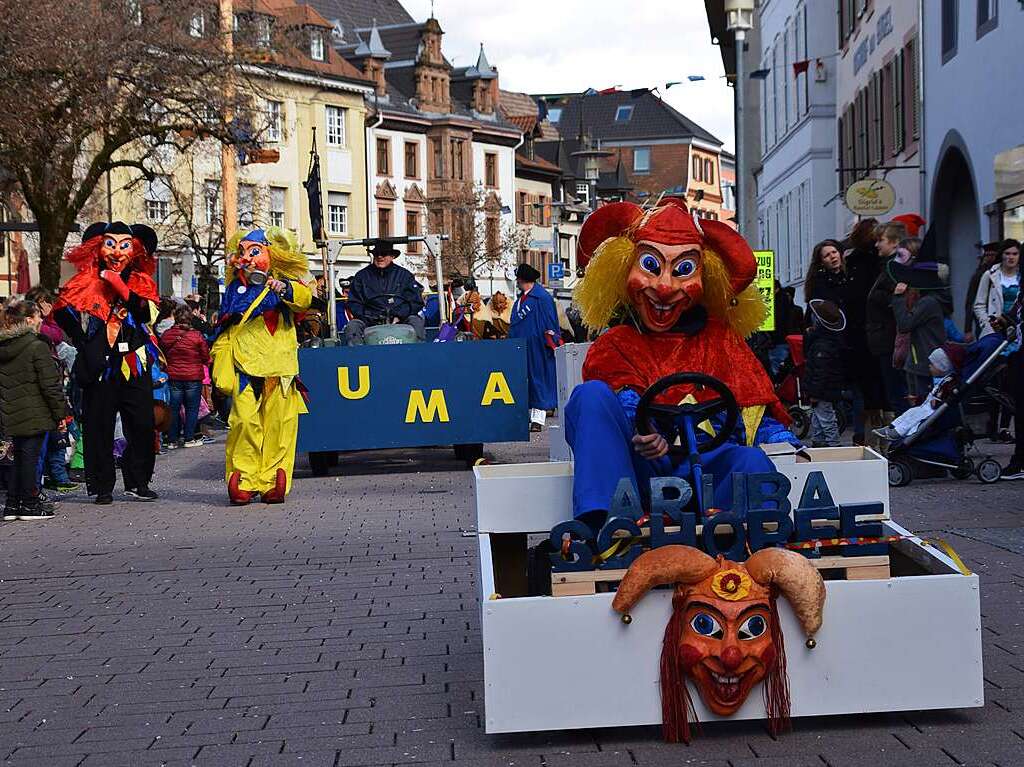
(187, 393)
(600, 435)
(51, 461)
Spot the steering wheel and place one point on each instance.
(697, 412)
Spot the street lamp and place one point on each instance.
(591, 157)
(739, 19)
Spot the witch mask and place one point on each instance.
(251, 260)
(117, 251)
(724, 635)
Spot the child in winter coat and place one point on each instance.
(823, 381)
(31, 406)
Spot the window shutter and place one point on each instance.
(913, 96)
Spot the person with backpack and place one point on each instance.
(31, 406)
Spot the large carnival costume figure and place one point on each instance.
(679, 298)
(255, 362)
(105, 310)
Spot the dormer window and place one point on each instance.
(316, 45)
(624, 113)
(197, 26)
(554, 115)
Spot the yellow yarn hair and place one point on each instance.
(602, 293)
(286, 259)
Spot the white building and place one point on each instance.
(973, 142)
(878, 93)
(796, 184)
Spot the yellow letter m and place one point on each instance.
(420, 409)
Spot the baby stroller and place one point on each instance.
(790, 393)
(945, 438)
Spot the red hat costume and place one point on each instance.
(669, 224)
(912, 222)
(714, 305)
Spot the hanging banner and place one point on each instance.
(765, 282)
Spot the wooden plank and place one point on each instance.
(879, 572)
(849, 563)
(856, 568)
(572, 589)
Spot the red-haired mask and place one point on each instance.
(724, 635)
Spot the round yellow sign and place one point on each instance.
(870, 197)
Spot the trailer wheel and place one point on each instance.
(900, 473)
(989, 471)
(469, 454)
(320, 463)
(964, 470)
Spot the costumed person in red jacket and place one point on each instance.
(105, 310)
(679, 298)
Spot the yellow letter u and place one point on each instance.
(345, 387)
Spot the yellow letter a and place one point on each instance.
(436, 409)
(345, 387)
(497, 389)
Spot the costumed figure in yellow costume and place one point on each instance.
(255, 362)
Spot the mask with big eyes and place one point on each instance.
(116, 251)
(726, 649)
(664, 282)
(250, 257)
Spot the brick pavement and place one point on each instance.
(343, 629)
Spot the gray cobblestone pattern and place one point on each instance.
(343, 629)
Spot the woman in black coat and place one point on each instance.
(826, 277)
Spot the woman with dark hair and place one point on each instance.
(998, 287)
(165, 318)
(862, 269)
(998, 290)
(826, 277)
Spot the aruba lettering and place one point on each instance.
(761, 516)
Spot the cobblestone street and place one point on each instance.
(343, 629)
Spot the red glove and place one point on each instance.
(113, 279)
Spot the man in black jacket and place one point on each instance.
(383, 292)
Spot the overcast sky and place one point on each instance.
(551, 46)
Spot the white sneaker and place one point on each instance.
(194, 443)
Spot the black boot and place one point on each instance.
(11, 508)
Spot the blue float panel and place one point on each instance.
(413, 395)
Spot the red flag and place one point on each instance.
(801, 67)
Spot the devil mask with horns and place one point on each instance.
(724, 634)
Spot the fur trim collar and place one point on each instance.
(21, 329)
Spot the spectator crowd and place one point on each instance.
(877, 337)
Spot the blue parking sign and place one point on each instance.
(556, 270)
